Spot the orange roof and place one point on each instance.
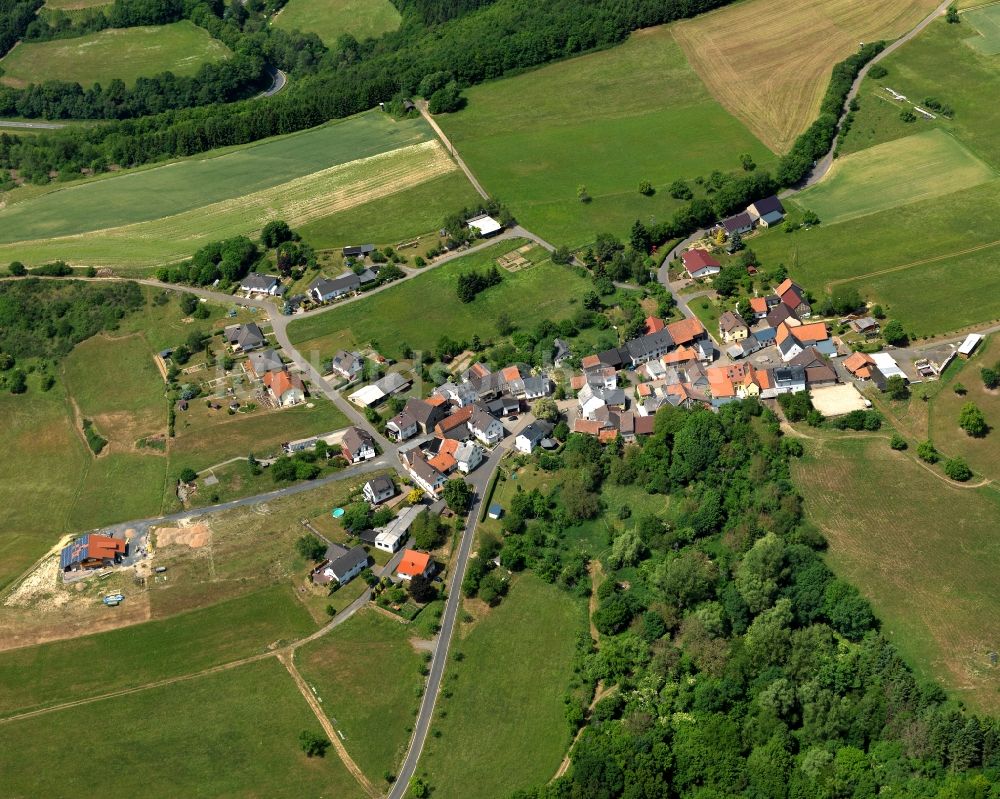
(587, 427)
(782, 333)
(764, 379)
(607, 435)
(857, 362)
(784, 286)
(280, 382)
(459, 417)
(679, 355)
(644, 390)
(589, 361)
(511, 373)
(812, 332)
(576, 382)
(686, 330)
(758, 304)
(479, 369)
(104, 546)
(413, 563)
(436, 400)
(654, 324)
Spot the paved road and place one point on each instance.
(4, 123)
(278, 81)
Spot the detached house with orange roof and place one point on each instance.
(860, 364)
(286, 389)
(792, 341)
(92, 551)
(413, 564)
(794, 298)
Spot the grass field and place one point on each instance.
(74, 5)
(770, 64)
(330, 19)
(607, 121)
(374, 715)
(923, 551)
(45, 675)
(505, 727)
(541, 292)
(126, 53)
(918, 167)
(231, 734)
(986, 22)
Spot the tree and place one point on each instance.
(493, 587)
(578, 500)
(446, 100)
(960, 389)
(849, 612)
(414, 496)
(747, 162)
(457, 495)
(679, 190)
(581, 194)
(545, 409)
(313, 744)
(188, 475)
(906, 115)
(897, 442)
(810, 218)
(311, 547)
(952, 16)
(893, 333)
(972, 421)
(427, 530)
(18, 382)
(736, 241)
(356, 516)
(627, 550)
(283, 470)
(17, 269)
(896, 388)
(991, 377)
(274, 233)
(927, 452)
(957, 469)
(646, 188)
(422, 589)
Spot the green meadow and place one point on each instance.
(124, 53)
(606, 121)
(391, 317)
(986, 22)
(330, 19)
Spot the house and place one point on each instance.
(444, 459)
(743, 348)
(323, 289)
(788, 379)
(732, 328)
(646, 348)
(468, 455)
(425, 414)
(357, 445)
(780, 313)
(793, 340)
(686, 331)
(866, 326)
(771, 219)
(423, 474)
(391, 537)
(793, 297)
(244, 338)
(591, 399)
(367, 276)
(536, 387)
(486, 427)
(859, 364)
(968, 346)
(414, 563)
(401, 426)
(261, 285)
(562, 352)
(344, 569)
(699, 264)
(504, 405)
(818, 371)
(767, 207)
(532, 436)
(358, 250)
(347, 364)
(738, 223)
(286, 389)
(654, 324)
(379, 489)
(92, 551)
(456, 425)
(759, 307)
(264, 361)
(486, 226)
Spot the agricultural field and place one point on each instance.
(330, 19)
(543, 291)
(125, 53)
(374, 717)
(769, 64)
(922, 550)
(146, 217)
(918, 167)
(986, 22)
(516, 656)
(74, 5)
(607, 121)
(201, 737)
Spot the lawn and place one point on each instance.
(769, 64)
(505, 726)
(545, 291)
(94, 665)
(396, 218)
(607, 121)
(125, 53)
(330, 19)
(923, 551)
(374, 715)
(986, 22)
(230, 734)
(919, 167)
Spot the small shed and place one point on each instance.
(495, 511)
(968, 346)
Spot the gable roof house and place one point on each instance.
(244, 338)
(732, 328)
(347, 364)
(456, 425)
(264, 361)
(357, 445)
(425, 414)
(423, 474)
(759, 307)
(866, 326)
(770, 210)
(532, 436)
(788, 379)
(324, 289)
(485, 427)
(792, 296)
(646, 348)
(379, 489)
(562, 352)
(444, 459)
(344, 569)
(793, 340)
(780, 313)
(468, 455)
(860, 365)
(687, 331)
(818, 371)
(257, 284)
(737, 223)
(391, 537)
(700, 264)
(286, 389)
(591, 399)
(358, 250)
(401, 426)
(92, 551)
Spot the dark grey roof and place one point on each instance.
(650, 344)
(257, 282)
(788, 375)
(614, 357)
(769, 205)
(392, 382)
(740, 221)
(359, 249)
(766, 335)
(536, 431)
(247, 336)
(367, 276)
(562, 349)
(536, 384)
(421, 411)
(355, 438)
(403, 420)
(266, 361)
(334, 551)
(327, 286)
(381, 484)
(349, 561)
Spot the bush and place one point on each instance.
(680, 190)
(188, 475)
(877, 71)
(97, 442)
(897, 442)
(991, 377)
(972, 421)
(957, 469)
(313, 744)
(646, 188)
(17, 269)
(906, 115)
(927, 452)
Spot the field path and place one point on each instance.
(306, 691)
(422, 107)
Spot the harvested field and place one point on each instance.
(769, 63)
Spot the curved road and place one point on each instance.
(278, 81)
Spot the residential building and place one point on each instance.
(256, 284)
(766, 208)
(358, 250)
(379, 489)
(444, 458)
(700, 264)
(686, 332)
(860, 365)
(591, 399)
(344, 569)
(759, 307)
(793, 340)
(423, 474)
(394, 535)
(324, 289)
(654, 324)
(794, 298)
(818, 371)
(737, 223)
(357, 445)
(245, 338)
(468, 456)
(426, 414)
(413, 564)
(285, 389)
(562, 352)
(781, 313)
(732, 328)
(646, 348)
(402, 426)
(263, 361)
(92, 551)
(485, 427)
(347, 364)
(456, 425)
(532, 436)
(788, 379)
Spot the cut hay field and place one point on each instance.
(986, 22)
(374, 717)
(230, 734)
(769, 64)
(608, 121)
(149, 216)
(75, 5)
(919, 167)
(544, 291)
(330, 19)
(923, 551)
(505, 726)
(126, 53)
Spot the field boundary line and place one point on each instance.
(935, 259)
(306, 691)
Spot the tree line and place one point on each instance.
(15, 18)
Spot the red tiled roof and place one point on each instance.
(590, 361)
(413, 563)
(758, 304)
(104, 546)
(698, 259)
(459, 417)
(654, 324)
(685, 331)
(576, 382)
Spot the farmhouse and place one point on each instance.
(286, 389)
(485, 226)
(379, 489)
(766, 212)
(793, 297)
(244, 338)
(732, 328)
(357, 445)
(257, 285)
(343, 569)
(323, 289)
(700, 264)
(347, 364)
(92, 551)
(414, 563)
(260, 363)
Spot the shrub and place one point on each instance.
(897, 442)
(991, 377)
(877, 71)
(313, 744)
(927, 452)
(646, 188)
(957, 469)
(972, 421)
(906, 115)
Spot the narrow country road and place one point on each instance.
(422, 107)
(5, 123)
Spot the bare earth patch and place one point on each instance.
(194, 536)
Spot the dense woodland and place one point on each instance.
(738, 664)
